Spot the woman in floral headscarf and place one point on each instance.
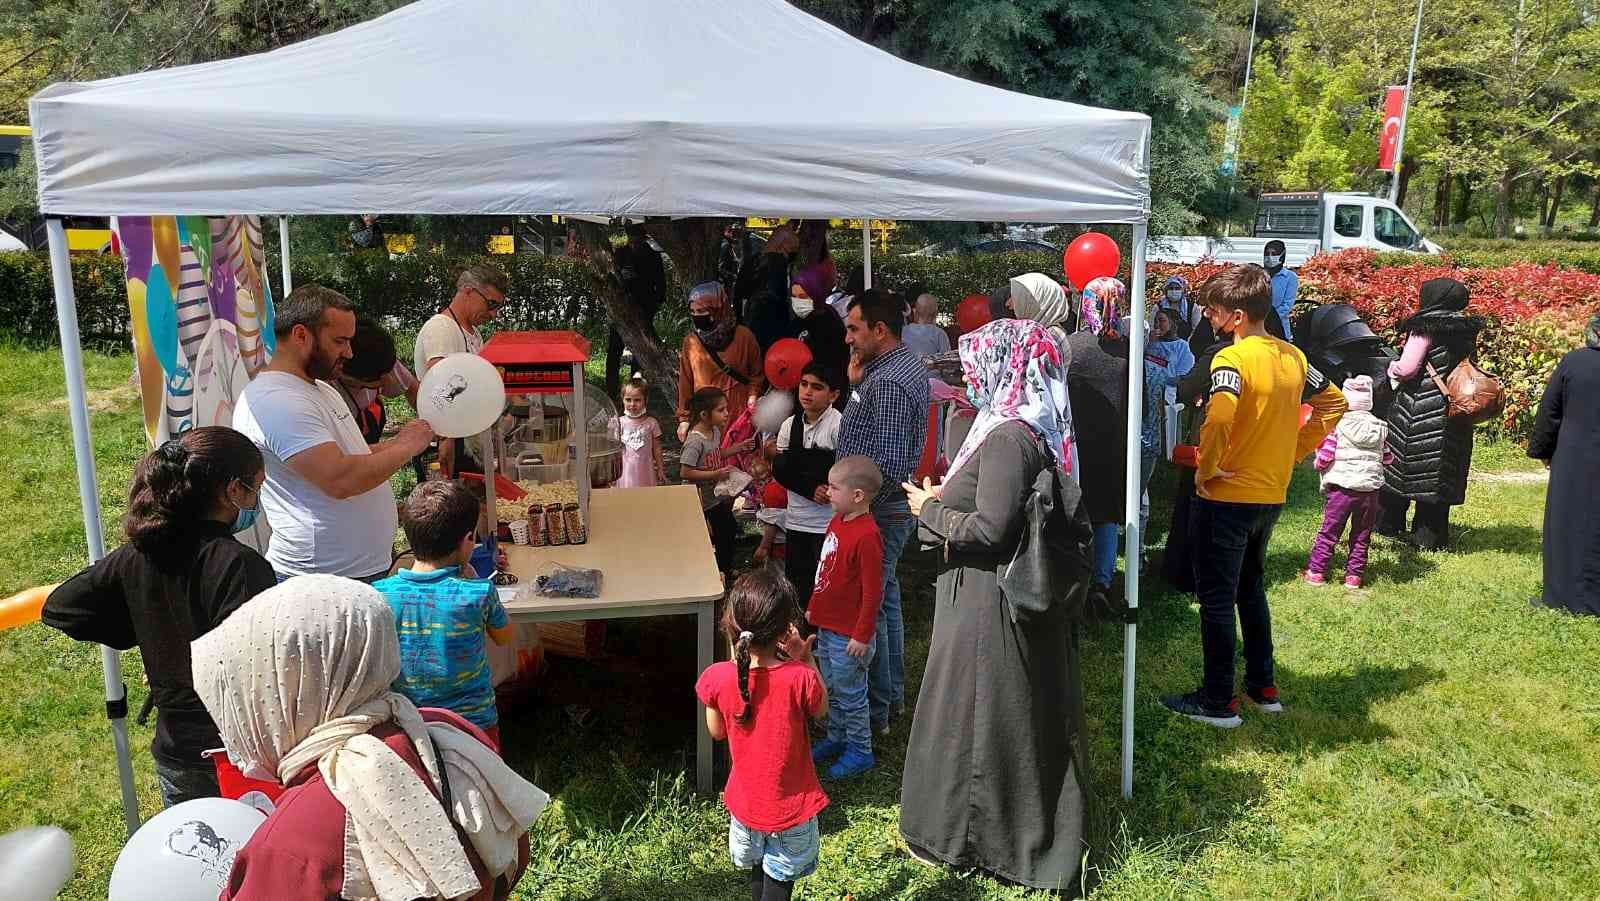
(1098, 384)
(993, 776)
(717, 353)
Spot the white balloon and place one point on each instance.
(35, 863)
(462, 395)
(772, 409)
(184, 853)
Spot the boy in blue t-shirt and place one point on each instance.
(441, 617)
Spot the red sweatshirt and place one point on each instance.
(849, 586)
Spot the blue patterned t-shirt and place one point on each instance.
(443, 621)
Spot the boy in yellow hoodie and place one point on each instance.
(1249, 443)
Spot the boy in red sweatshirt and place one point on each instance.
(844, 608)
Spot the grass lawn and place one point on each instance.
(1440, 739)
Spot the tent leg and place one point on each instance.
(866, 251)
(1135, 486)
(89, 496)
(283, 249)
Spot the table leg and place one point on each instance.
(705, 635)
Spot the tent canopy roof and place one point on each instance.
(612, 108)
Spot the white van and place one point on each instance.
(1308, 223)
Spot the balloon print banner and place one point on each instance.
(201, 309)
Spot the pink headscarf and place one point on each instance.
(1101, 299)
(1014, 373)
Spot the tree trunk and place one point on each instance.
(627, 317)
(1556, 196)
(693, 245)
(1441, 200)
(1594, 211)
(1544, 205)
(1503, 197)
(1408, 168)
(1463, 202)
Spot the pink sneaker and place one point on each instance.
(1352, 582)
(1315, 578)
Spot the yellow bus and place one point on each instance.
(85, 234)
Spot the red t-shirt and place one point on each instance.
(773, 784)
(298, 853)
(849, 586)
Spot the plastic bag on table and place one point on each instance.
(569, 582)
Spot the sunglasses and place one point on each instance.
(494, 303)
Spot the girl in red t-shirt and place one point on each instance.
(759, 702)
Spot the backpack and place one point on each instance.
(1471, 394)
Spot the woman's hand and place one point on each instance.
(921, 495)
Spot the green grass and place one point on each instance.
(1440, 741)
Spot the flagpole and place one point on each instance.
(1400, 140)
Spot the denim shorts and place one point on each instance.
(786, 856)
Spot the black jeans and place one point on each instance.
(804, 553)
(724, 533)
(1230, 557)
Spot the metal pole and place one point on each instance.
(1133, 488)
(866, 252)
(1249, 61)
(1400, 139)
(283, 247)
(89, 497)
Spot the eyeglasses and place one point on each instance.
(494, 303)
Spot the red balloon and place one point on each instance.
(972, 313)
(1089, 256)
(774, 497)
(786, 359)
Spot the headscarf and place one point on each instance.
(1101, 298)
(817, 280)
(299, 675)
(1178, 280)
(1039, 297)
(1591, 333)
(1014, 374)
(1442, 295)
(714, 296)
(1358, 393)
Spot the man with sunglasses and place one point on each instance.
(480, 293)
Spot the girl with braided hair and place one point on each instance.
(178, 577)
(759, 702)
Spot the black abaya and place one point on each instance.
(1567, 435)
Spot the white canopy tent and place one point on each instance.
(617, 108)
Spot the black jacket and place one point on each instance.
(161, 603)
(1432, 452)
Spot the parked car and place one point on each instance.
(1308, 223)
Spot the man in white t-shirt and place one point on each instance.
(327, 494)
(480, 292)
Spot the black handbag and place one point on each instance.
(1051, 565)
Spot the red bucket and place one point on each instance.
(234, 784)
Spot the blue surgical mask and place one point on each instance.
(1175, 294)
(245, 519)
(1272, 261)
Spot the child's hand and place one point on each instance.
(770, 449)
(855, 649)
(762, 554)
(797, 648)
(683, 432)
(743, 447)
(724, 472)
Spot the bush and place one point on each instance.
(28, 304)
(1535, 312)
(1580, 254)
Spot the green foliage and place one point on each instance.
(1490, 253)
(28, 307)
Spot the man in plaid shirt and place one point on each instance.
(886, 420)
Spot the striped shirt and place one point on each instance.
(887, 420)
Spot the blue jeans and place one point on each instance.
(1230, 572)
(785, 856)
(888, 675)
(1106, 539)
(846, 678)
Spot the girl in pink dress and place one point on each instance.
(640, 435)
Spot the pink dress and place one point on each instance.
(638, 459)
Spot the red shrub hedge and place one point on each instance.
(1535, 312)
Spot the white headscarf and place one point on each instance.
(299, 675)
(1039, 297)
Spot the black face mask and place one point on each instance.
(703, 323)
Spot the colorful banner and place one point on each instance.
(201, 309)
(1394, 107)
(1230, 142)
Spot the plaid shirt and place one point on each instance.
(887, 420)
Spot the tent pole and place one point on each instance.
(866, 252)
(89, 496)
(1135, 487)
(283, 251)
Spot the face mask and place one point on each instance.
(1272, 261)
(703, 323)
(1175, 295)
(246, 518)
(802, 306)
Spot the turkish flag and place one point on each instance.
(1394, 105)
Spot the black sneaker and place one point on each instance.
(1197, 708)
(1265, 699)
